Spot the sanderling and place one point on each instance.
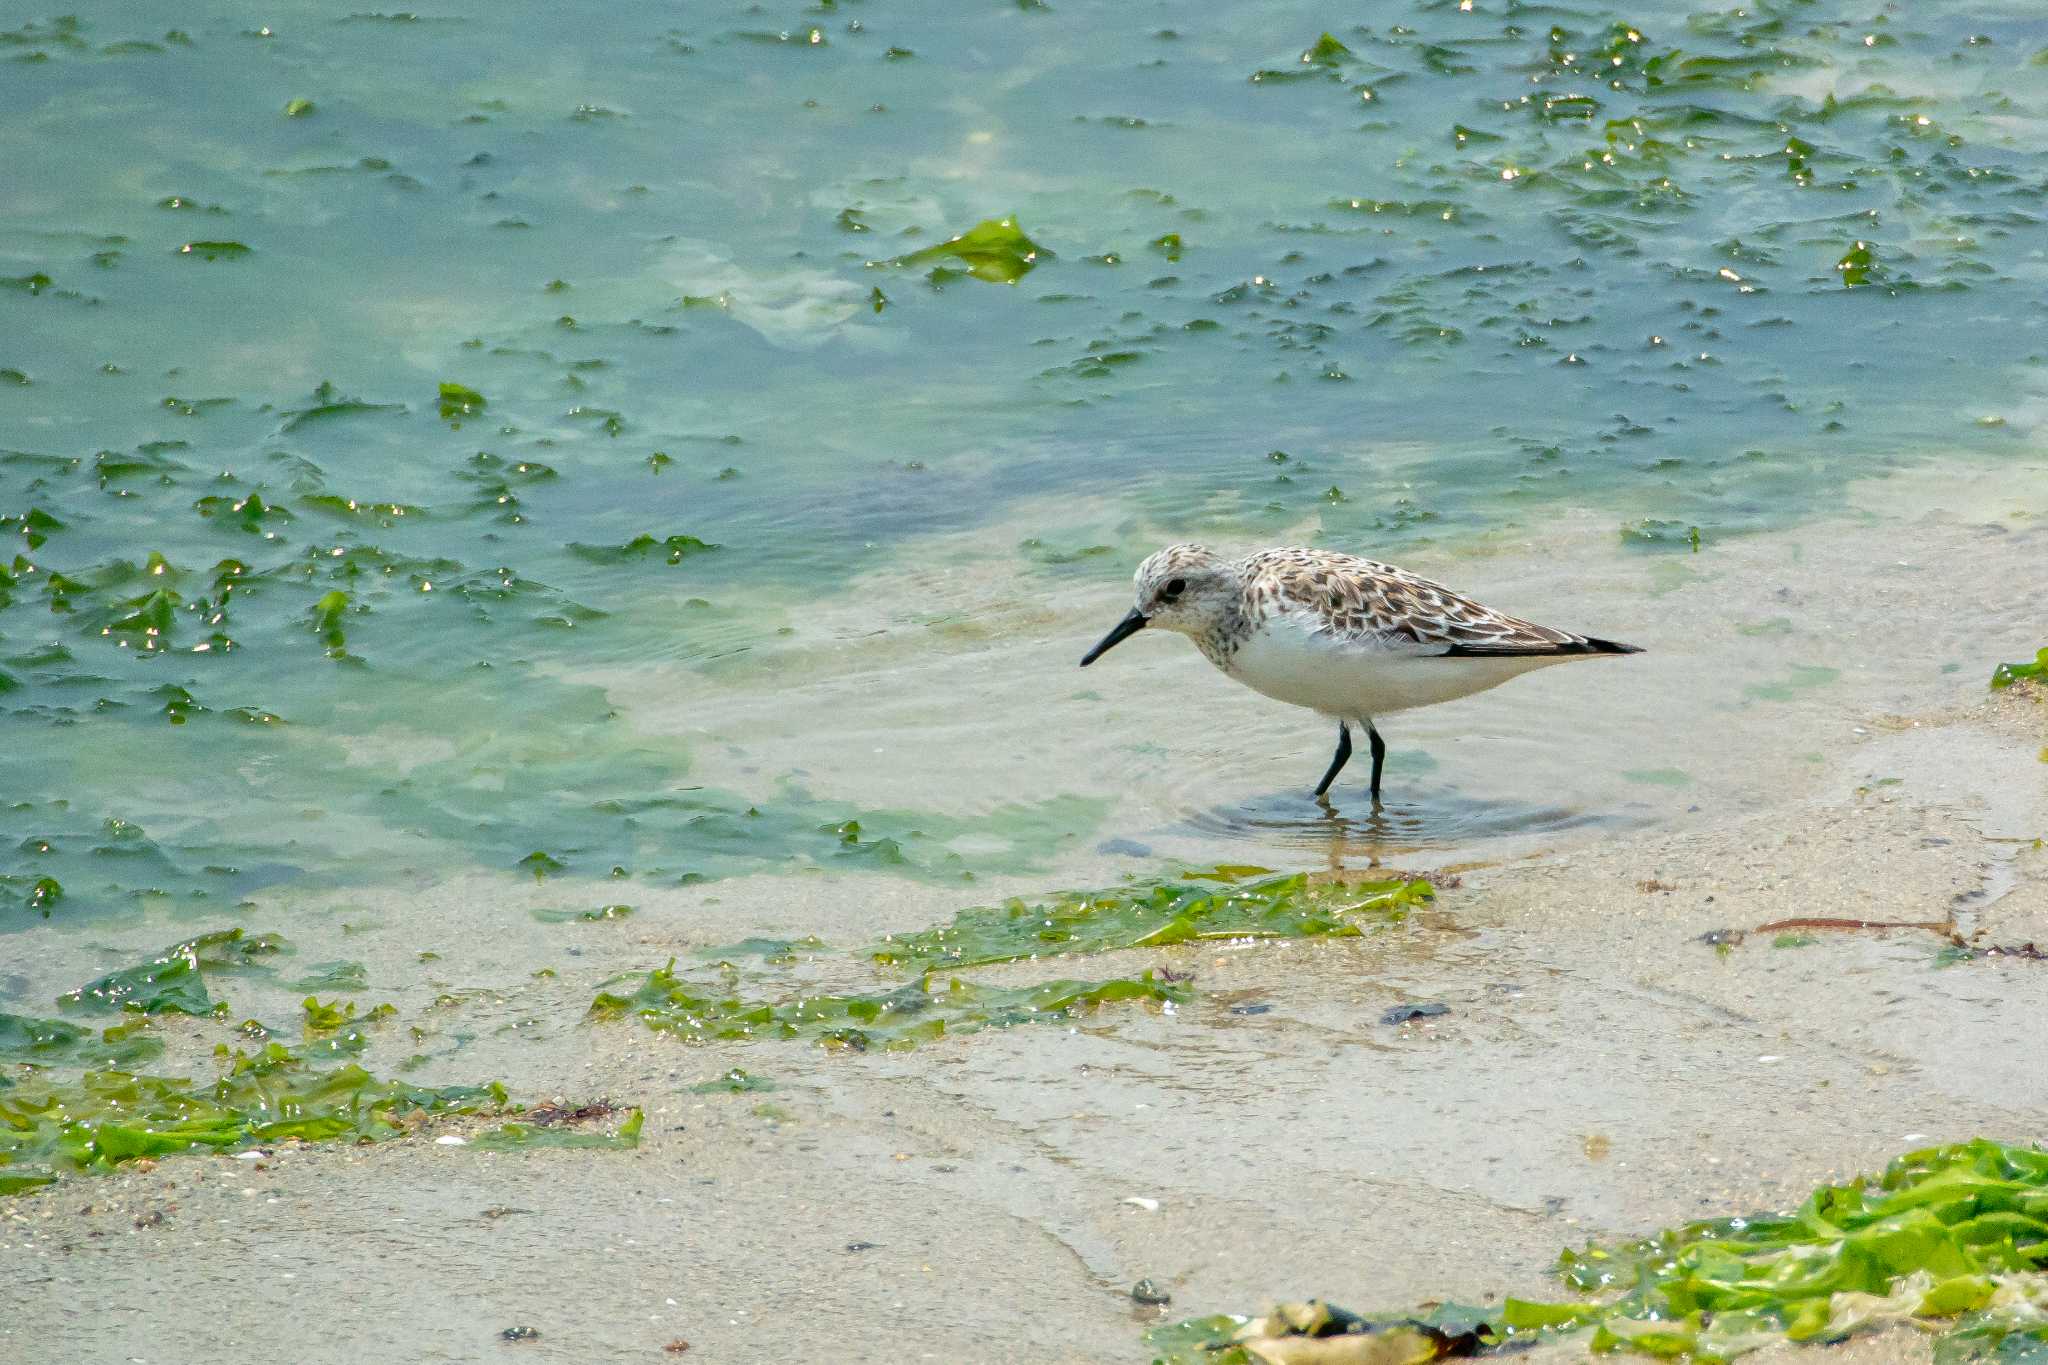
(1346, 637)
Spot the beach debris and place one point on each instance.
(1319, 1333)
(1778, 926)
(1251, 1009)
(862, 1246)
(1722, 938)
(547, 1115)
(1145, 1291)
(1958, 951)
(521, 1334)
(451, 1140)
(1402, 1014)
(1139, 1201)
(677, 1347)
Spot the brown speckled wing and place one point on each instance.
(1375, 605)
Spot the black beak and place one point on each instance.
(1125, 629)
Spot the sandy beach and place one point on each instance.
(1601, 1069)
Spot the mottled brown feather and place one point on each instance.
(1364, 601)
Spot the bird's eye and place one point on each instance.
(1176, 586)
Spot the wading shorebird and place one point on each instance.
(1348, 638)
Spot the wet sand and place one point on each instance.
(1600, 1071)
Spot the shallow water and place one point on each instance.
(1426, 817)
(744, 548)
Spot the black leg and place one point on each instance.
(1379, 756)
(1337, 763)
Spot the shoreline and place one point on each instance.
(1600, 1071)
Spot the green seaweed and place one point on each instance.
(776, 951)
(35, 525)
(733, 1082)
(50, 1127)
(30, 893)
(516, 1136)
(2005, 675)
(995, 249)
(214, 251)
(328, 1018)
(1858, 265)
(1652, 534)
(1327, 51)
(674, 549)
(333, 976)
(1953, 1238)
(327, 614)
(1799, 678)
(330, 403)
(249, 513)
(918, 1012)
(602, 912)
(1221, 903)
(174, 981)
(540, 863)
(27, 1041)
(459, 401)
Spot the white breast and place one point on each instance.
(1289, 660)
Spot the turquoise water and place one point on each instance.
(278, 611)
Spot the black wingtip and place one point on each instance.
(1512, 651)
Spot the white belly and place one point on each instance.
(1351, 681)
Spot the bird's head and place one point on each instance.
(1183, 588)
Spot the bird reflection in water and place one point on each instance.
(1368, 834)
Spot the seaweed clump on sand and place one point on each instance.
(1224, 903)
(922, 1011)
(51, 1127)
(2005, 675)
(1951, 1239)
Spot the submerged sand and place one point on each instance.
(1600, 1070)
